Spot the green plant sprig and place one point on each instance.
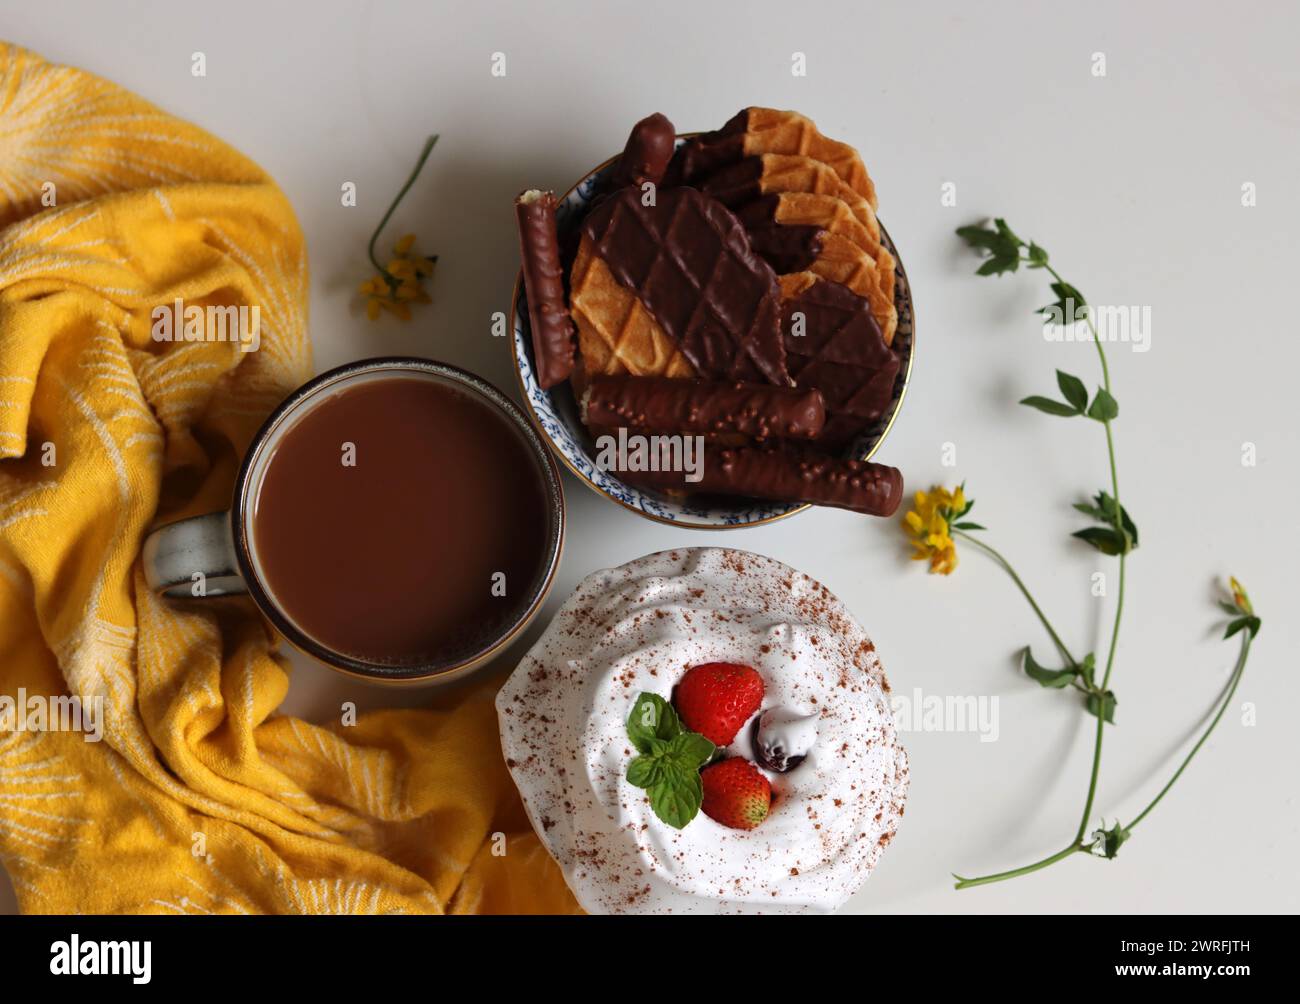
(394, 281)
(1116, 536)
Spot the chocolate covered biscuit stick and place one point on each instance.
(553, 343)
(660, 404)
(767, 473)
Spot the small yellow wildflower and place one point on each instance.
(929, 525)
(399, 283)
(1239, 597)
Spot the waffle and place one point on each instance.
(698, 287)
(616, 334)
(754, 132)
(841, 352)
(797, 209)
(771, 173)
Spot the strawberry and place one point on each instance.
(716, 698)
(736, 794)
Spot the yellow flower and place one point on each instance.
(929, 526)
(400, 283)
(1239, 596)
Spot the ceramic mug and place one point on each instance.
(219, 549)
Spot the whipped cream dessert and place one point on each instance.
(824, 718)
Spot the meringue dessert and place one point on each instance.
(706, 730)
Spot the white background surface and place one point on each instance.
(1132, 181)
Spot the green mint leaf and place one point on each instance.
(1103, 407)
(690, 751)
(1103, 706)
(1073, 390)
(676, 796)
(652, 718)
(1046, 404)
(968, 526)
(1090, 510)
(1037, 256)
(644, 771)
(1046, 677)
(1105, 539)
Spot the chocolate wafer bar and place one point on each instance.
(552, 328)
(662, 405)
(770, 473)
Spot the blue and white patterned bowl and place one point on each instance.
(555, 412)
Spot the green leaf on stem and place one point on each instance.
(1105, 539)
(1046, 677)
(1087, 668)
(1103, 706)
(1002, 245)
(1119, 536)
(1073, 390)
(1104, 408)
(983, 238)
(999, 264)
(1037, 256)
(1050, 407)
(1251, 624)
(1109, 841)
(1006, 233)
(968, 526)
(1069, 308)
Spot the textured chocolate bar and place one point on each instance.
(663, 405)
(649, 148)
(552, 328)
(689, 261)
(787, 476)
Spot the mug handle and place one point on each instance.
(193, 559)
